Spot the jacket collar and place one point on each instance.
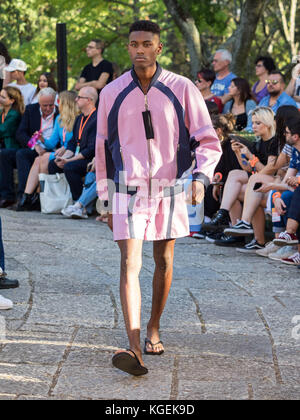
(153, 80)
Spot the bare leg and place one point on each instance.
(236, 179)
(33, 177)
(292, 226)
(235, 212)
(163, 252)
(258, 222)
(252, 198)
(130, 293)
(44, 162)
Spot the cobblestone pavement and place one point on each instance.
(229, 328)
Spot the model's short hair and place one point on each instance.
(146, 26)
(225, 54)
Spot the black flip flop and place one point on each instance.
(153, 353)
(129, 364)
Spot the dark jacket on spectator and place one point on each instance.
(88, 139)
(30, 123)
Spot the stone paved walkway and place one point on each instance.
(228, 327)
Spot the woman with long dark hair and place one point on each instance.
(241, 103)
(46, 79)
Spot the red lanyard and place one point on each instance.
(3, 117)
(47, 125)
(81, 127)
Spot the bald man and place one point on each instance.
(81, 148)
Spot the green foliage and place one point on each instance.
(28, 28)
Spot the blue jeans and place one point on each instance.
(2, 264)
(89, 193)
(286, 196)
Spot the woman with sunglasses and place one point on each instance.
(205, 78)
(263, 67)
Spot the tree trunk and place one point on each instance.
(187, 27)
(244, 34)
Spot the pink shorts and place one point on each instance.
(150, 219)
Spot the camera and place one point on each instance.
(296, 59)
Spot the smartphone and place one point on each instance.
(257, 186)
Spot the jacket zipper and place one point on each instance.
(149, 154)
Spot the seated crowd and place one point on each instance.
(46, 132)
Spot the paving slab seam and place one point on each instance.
(63, 360)
(274, 353)
(198, 312)
(175, 380)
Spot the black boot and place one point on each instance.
(35, 202)
(219, 222)
(24, 204)
(7, 284)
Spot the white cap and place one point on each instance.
(16, 64)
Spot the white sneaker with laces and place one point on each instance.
(79, 213)
(5, 303)
(68, 211)
(282, 252)
(269, 248)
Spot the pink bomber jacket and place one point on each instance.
(153, 139)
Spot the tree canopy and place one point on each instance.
(191, 31)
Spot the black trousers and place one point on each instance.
(74, 172)
(10, 159)
(294, 210)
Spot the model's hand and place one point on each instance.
(195, 193)
(216, 192)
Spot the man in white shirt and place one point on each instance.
(17, 69)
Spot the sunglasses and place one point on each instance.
(273, 82)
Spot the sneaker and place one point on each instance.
(198, 235)
(269, 248)
(219, 222)
(68, 211)
(213, 237)
(227, 240)
(5, 303)
(285, 239)
(79, 213)
(251, 247)
(241, 228)
(282, 252)
(292, 260)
